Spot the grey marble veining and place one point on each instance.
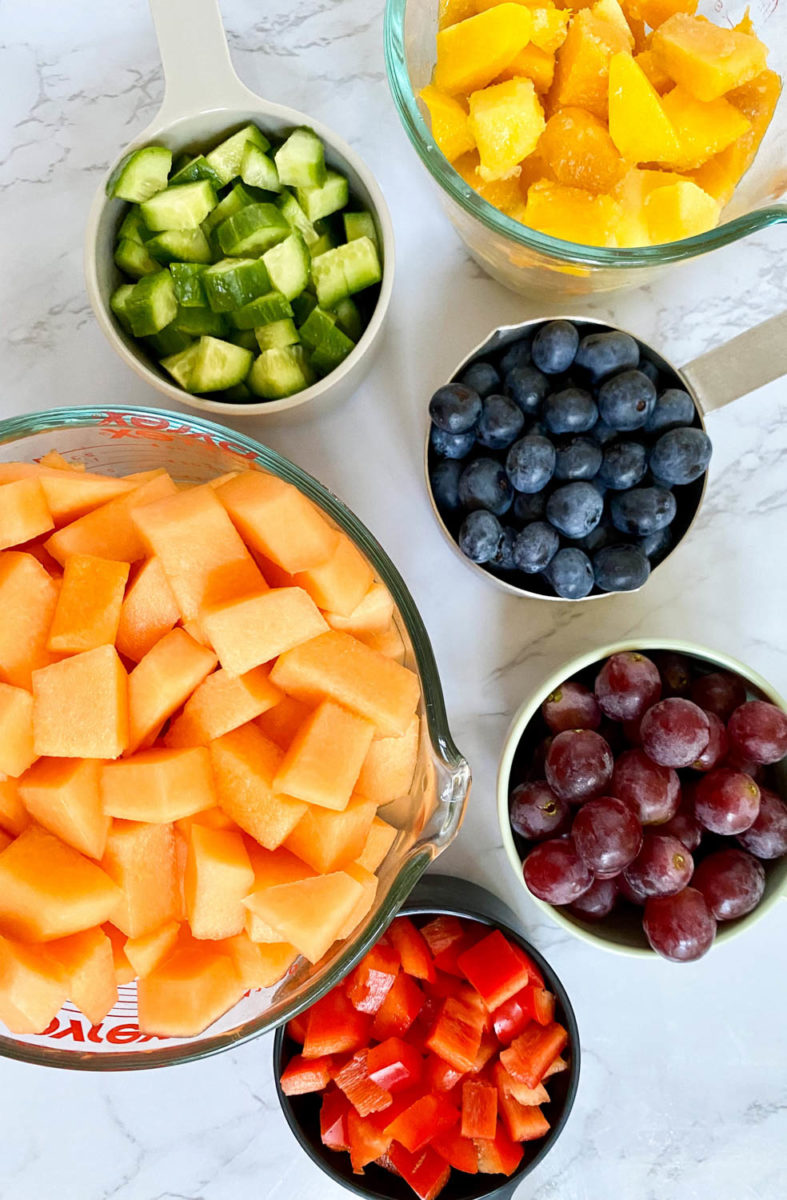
(684, 1085)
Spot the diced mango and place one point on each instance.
(244, 766)
(473, 52)
(89, 966)
(24, 512)
(328, 840)
(16, 730)
(161, 682)
(568, 213)
(504, 194)
(28, 597)
(610, 10)
(380, 838)
(653, 71)
(705, 58)
(88, 608)
(448, 120)
(679, 210)
(146, 952)
(579, 152)
(255, 629)
(533, 63)
(757, 101)
(108, 531)
(63, 795)
(325, 757)
(158, 785)
(451, 11)
(189, 990)
(631, 193)
(33, 987)
(507, 120)
(582, 64)
(80, 706)
(149, 610)
(140, 858)
(308, 913)
(638, 124)
(704, 128)
(278, 521)
(218, 877)
(281, 723)
(656, 12)
(222, 702)
(373, 614)
(389, 766)
(550, 27)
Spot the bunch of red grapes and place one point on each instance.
(652, 790)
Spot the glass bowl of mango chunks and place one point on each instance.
(583, 146)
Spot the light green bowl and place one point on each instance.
(616, 932)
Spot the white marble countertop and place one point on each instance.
(684, 1087)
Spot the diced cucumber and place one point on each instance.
(152, 304)
(300, 161)
(239, 394)
(183, 207)
(218, 365)
(324, 242)
(134, 260)
(133, 227)
(359, 224)
(181, 160)
(118, 302)
(329, 197)
(169, 341)
(140, 174)
(296, 218)
(233, 202)
(254, 229)
(257, 170)
(316, 327)
(329, 278)
(348, 318)
(332, 350)
(302, 305)
(188, 284)
(277, 334)
(280, 372)
(234, 282)
(345, 270)
(200, 321)
(263, 310)
(245, 338)
(179, 365)
(180, 245)
(197, 168)
(226, 158)
(289, 265)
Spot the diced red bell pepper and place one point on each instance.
(512, 1017)
(371, 981)
(457, 1150)
(302, 1075)
(494, 969)
(442, 932)
(507, 1085)
(523, 1122)
(386, 1162)
(394, 1065)
(533, 972)
(529, 1055)
(363, 1093)
(413, 950)
(426, 1118)
(439, 1075)
(296, 1028)
(366, 1141)
(426, 1173)
(486, 1051)
(334, 1027)
(471, 999)
(448, 958)
(447, 985)
(334, 1114)
(479, 1109)
(554, 1068)
(543, 1003)
(456, 1036)
(498, 1155)
(399, 1008)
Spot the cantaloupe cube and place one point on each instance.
(54, 459)
(679, 210)
(218, 877)
(369, 884)
(140, 858)
(328, 840)
(387, 642)
(146, 952)
(211, 818)
(182, 835)
(88, 608)
(124, 972)
(389, 766)
(380, 838)
(638, 123)
(203, 557)
(533, 63)
(259, 965)
(707, 59)
(340, 583)
(336, 666)
(756, 100)
(322, 762)
(271, 867)
(223, 702)
(63, 795)
(28, 597)
(371, 615)
(582, 64)
(48, 890)
(653, 71)
(37, 550)
(16, 730)
(108, 531)
(81, 706)
(24, 512)
(579, 151)
(188, 991)
(572, 213)
(244, 766)
(308, 913)
(255, 629)
(33, 987)
(704, 128)
(550, 26)
(280, 723)
(89, 965)
(506, 120)
(448, 122)
(158, 785)
(162, 681)
(471, 53)
(149, 610)
(278, 521)
(5, 840)
(14, 816)
(69, 493)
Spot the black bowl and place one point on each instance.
(433, 895)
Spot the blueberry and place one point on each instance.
(571, 411)
(451, 445)
(575, 508)
(681, 455)
(554, 347)
(528, 387)
(530, 463)
(642, 510)
(484, 484)
(623, 465)
(500, 423)
(601, 354)
(504, 556)
(481, 377)
(455, 408)
(517, 354)
(530, 507)
(577, 458)
(602, 535)
(445, 485)
(603, 433)
(480, 535)
(626, 401)
(535, 547)
(570, 573)
(620, 568)
(656, 545)
(672, 408)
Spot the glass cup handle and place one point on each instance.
(745, 363)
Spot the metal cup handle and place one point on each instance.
(745, 363)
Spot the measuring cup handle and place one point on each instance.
(749, 361)
(198, 72)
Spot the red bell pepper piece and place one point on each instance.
(529, 1055)
(371, 981)
(334, 1026)
(427, 1173)
(399, 1008)
(447, 985)
(412, 948)
(362, 1092)
(442, 932)
(533, 972)
(456, 1036)
(512, 1017)
(554, 1068)
(334, 1113)
(448, 958)
(366, 1141)
(486, 1051)
(479, 1109)
(302, 1075)
(507, 1085)
(457, 1150)
(296, 1028)
(498, 1155)
(494, 970)
(426, 1118)
(394, 1065)
(439, 1075)
(543, 1005)
(523, 1122)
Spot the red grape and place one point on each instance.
(675, 673)
(767, 837)
(684, 825)
(674, 732)
(536, 812)
(662, 867)
(650, 791)
(732, 883)
(726, 801)
(719, 692)
(679, 927)
(631, 730)
(738, 762)
(607, 835)
(716, 750)
(597, 902)
(628, 892)
(626, 685)
(578, 765)
(759, 731)
(571, 706)
(554, 871)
